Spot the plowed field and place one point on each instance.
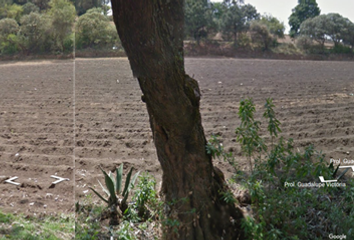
(38, 101)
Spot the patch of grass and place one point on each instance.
(36, 228)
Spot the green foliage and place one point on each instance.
(87, 225)
(125, 231)
(198, 18)
(348, 38)
(237, 18)
(9, 45)
(275, 27)
(315, 28)
(283, 212)
(305, 9)
(68, 42)
(82, 6)
(339, 48)
(304, 42)
(336, 27)
(94, 30)
(34, 32)
(215, 148)
(29, 7)
(273, 123)
(145, 194)
(42, 4)
(261, 35)
(8, 26)
(247, 133)
(62, 14)
(333, 26)
(9, 10)
(114, 187)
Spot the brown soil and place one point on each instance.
(313, 101)
(36, 123)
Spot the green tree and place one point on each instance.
(29, 7)
(8, 26)
(4, 4)
(93, 29)
(198, 18)
(218, 10)
(82, 6)
(10, 11)
(304, 10)
(8, 35)
(62, 13)
(232, 21)
(237, 18)
(152, 36)
(336, 27)
(348, 38)
(261, 35)
(35, 32)
(42, 4)
(249, 13)
(315, 29)
(331, 26)
(275, 27)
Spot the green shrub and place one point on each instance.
(281, 212)
(94, 30)
(29, 7)
(341, 49)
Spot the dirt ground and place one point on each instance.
(38, 101)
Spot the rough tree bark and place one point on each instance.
(151, 33)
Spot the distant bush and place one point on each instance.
(304, 42)
(8, 36)
(29, 7)
(35, 33)
(341, 49)
(261, 35)
(94, 30)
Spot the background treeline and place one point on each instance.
(241, 24)
(55, 26)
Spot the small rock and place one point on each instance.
(31, 204)
(241, 84)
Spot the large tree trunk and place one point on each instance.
(152, 36)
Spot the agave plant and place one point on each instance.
(114, 188)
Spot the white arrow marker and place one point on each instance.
(60, 179)
(10, 181)
(352, 167)
(322, 179)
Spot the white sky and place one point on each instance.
(281, 9)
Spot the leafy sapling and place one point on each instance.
(273, 123)
(247, 132)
